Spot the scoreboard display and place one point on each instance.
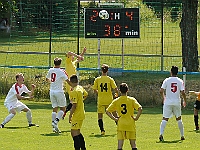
(112, 23)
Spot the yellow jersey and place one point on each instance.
(104, 86)
(77, 97)
(70, 67)
(124, 106)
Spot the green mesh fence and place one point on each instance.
(44, 29)
(40, 27)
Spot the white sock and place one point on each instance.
(162, 126)
(59, 116)
(29, 116)
(180, 126)
(53, 116)
(8, 118)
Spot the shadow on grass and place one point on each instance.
(51, 134)
(196, 131)
(101, 136)
(16, 127)
(56, 134)
(174, 141)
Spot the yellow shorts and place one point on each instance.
(101, 108)
(76, 124)
(122, 135)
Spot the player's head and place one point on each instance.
(74, 78)
(19, 77)
(174, 70)
(123, 88)
(57, 61)
(104, 68)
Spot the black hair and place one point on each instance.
(174, 70)
(57, 61)
(74, 78)
(123, 87)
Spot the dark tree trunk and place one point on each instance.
(188, 27)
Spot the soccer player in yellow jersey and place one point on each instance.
(77, 113)
(125, 105)
(103, 86)
(196, 109)
(70, 67)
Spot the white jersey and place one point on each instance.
(15, 89)
(173, 86)
(57, 76)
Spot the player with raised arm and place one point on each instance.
(70, 68)
(56, 76)
(124, 106)
(174, 87)
(13, 103)
(103, 86)
(77, 113)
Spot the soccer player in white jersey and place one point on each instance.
(13, 103)
(173, 86)
(57, 76)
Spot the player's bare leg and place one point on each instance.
(120, 144)
(133, 145)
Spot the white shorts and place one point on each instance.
(170, 110)
(18, 106)
(58, 99)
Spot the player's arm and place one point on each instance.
(79, 57)
(194, 93)
(95, 91)
(83, 52)
(110, 114)
(68, 82)
(19, 97)
(138, 114)
(72, 111)
(116, 93)
(162, 94)
(85, 94)
(32, 90)
(184, 98)
(30, 93)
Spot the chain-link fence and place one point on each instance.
(43, 29)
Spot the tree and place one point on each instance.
(188, 26)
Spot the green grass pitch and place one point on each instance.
(17, 136)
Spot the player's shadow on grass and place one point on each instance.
(51, 134)
(67, 131)
(101, 136)
(197, 131)
(16, 127)
(174, 141)
(56, 134)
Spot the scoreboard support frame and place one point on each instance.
(119, 5)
